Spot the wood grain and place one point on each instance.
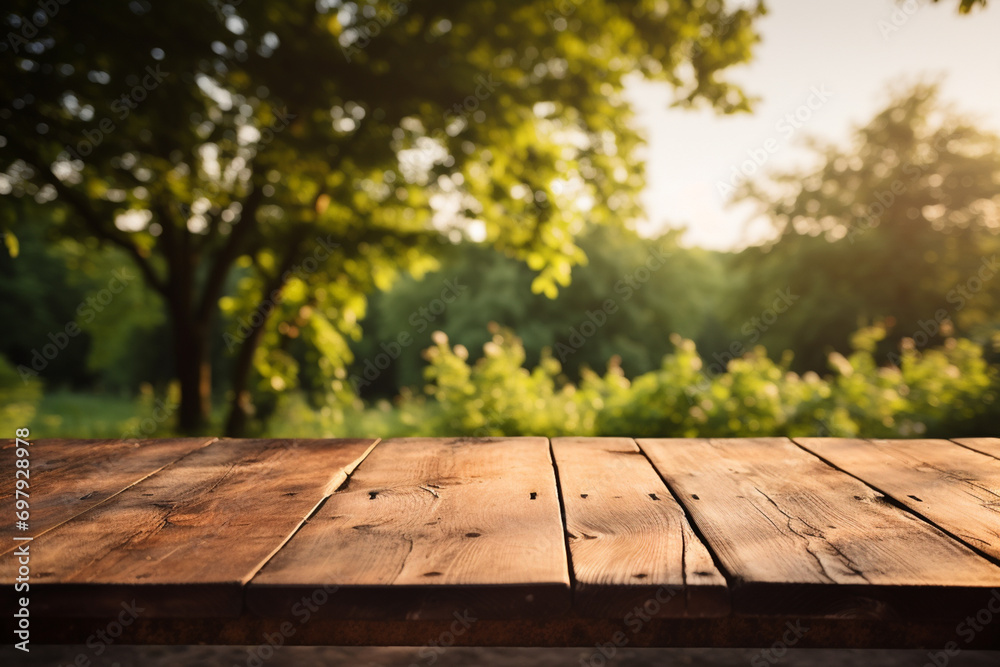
(989, 446)
(68, 477)
(955, 488)
(630, 543)
(797, 536)
(185, 540)
(427, 528)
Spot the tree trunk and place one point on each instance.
(194, 371)
(241, 404)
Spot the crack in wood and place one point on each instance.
(684, 559)
(908, 510)
(219, 481)
(402, 561)
(808, 536)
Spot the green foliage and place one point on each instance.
(679, 294)
(18, 399)
(38, 299)
(120, 315)
(240, 180)
(58, 284)
(203, 140)
(63, 413)
(938, 392)
(496, 395)
(902, 225)
(966, 6)
(947, 391)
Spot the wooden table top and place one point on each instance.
(513, 541)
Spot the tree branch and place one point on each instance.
(93, 220)
(229, 252)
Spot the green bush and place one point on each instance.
(18, 399)
(931, 393)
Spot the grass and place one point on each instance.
(68, 414)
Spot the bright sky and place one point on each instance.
(836, 45)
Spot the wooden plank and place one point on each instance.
(988, 446)
(630, 542)
(797, 536)
(427, 528)
(955, 488)
(591, 634)
(183, 542)
(68, 477)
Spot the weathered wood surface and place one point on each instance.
(68, 477)
(400, 542)
(629, 540)
(184, 541)
(990, 446)
(428, 528)
(956, 489)
(797, 536)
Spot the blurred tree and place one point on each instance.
(38, 301)
(903, 226)
(613, 306)
(54, 287)
(276, 160)
(966, 6)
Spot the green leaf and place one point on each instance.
(10, 241)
